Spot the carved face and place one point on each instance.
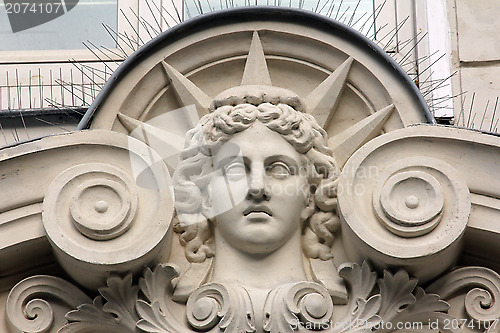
(268, 188)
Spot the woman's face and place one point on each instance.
(260, 192)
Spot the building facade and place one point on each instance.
(337, 204)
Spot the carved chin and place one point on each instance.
(256, 239)
(257, 245)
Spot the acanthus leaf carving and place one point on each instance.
(374, 306)
(363, 306)
(403, 302)
(240, 316)
(93, 318)
(425, 308)
(399, 300)
(118, 314)
(121, 296)
(436, 224)
(227, 307)
(158, 282)
(396, 293)
(152, 319)
(155, 315)
(363, 318)
(361, 279)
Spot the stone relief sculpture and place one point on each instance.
(274, 201)
(295, 210)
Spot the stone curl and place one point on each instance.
(194, 170)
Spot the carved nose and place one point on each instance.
(257, 188)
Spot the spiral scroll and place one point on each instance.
(103, 200)
(311, 303)
(409, 203)
(303, 304)
(98, 219)
(34, 304)
(207, 305)
(419, 211)
(481, 287)
(228, 306)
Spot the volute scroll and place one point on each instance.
(109, 216)
(38, 304)
(405, 203)
(473, 292)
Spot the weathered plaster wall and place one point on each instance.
(474, 27)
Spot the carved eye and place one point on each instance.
(235, 171)
(279, 170)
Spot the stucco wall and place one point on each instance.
(475, 43)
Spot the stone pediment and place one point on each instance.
(253, 170)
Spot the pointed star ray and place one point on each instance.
(347, 142)
(187, 92)
(256, 71)
(323, 101)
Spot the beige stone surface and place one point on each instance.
(478, 26)
(475, 56)
(483, 83)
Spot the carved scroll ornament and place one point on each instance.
(390, 303)
(410, 198)
(95, 193)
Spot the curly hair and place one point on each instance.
(192, 175)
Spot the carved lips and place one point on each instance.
(258, 211)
